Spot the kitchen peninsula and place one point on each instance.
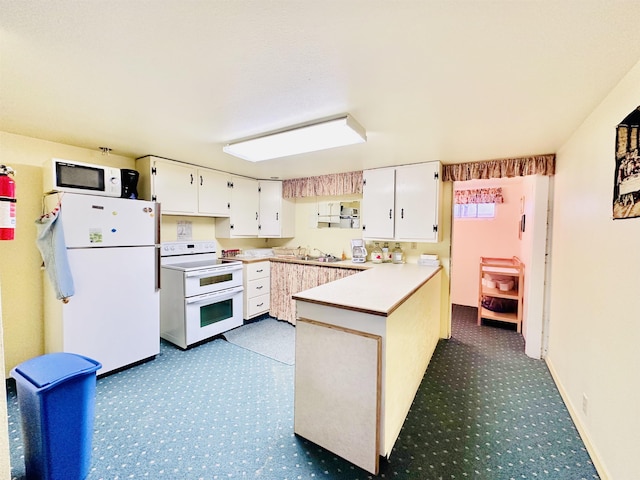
(363, 344)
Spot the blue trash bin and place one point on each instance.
(56, 397)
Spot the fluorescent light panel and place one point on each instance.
(309, 138)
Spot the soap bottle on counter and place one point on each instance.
(376, 253)
(387, 255)
(398, 254)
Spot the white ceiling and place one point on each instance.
(446, 80)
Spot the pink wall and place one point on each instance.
(492, 237)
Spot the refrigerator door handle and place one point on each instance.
(158, 268)
(158, 222)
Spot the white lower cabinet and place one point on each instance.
(257, 288)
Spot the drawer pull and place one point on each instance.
(259, 287)
(260, 271)
(260, 304)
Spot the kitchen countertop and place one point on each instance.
(379, 289)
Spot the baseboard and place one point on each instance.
(597, 463)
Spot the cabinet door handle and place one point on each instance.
(191, 175)
(402, 213)
(276, 215)
(390, 213)
(256, 215)
(200, 180)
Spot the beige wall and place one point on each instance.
(486, 237)
(595, 280)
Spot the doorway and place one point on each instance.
(518, 228)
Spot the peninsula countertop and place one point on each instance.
(378, 290)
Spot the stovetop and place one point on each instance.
(196, 264)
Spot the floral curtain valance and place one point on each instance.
(336, 184)
(507, 167)
(478, 195)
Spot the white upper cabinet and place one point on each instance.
(183, 189)
(243, 214)
(174, 185)
(214, 193)
(402, 203)
(276, 214)
(378, 203)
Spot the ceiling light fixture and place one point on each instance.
(321, 135)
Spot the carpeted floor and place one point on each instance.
(484, 411)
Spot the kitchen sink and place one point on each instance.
(323, 258)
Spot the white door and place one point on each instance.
(213, 193)
(378, 203)
(114, 316)
(93, 221)
(417, 202)
(244, 207)
(175, 187)
(270, 209)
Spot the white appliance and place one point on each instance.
(79, 177)
(113, 253)
(201, 295)
(358, 251)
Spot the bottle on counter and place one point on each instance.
(398, 254)
(387, 255)
(376, 253)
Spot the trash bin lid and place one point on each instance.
(52, 368)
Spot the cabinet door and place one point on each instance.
(175, 187)
(244, 207)
(417, 191)
(270, 209)
(213, 193)
(378, 203)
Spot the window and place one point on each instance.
(474, 210)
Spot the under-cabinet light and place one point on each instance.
(308, 138)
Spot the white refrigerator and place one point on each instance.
(113, 251)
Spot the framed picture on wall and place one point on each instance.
(626, 189)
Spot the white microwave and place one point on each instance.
(77, 177)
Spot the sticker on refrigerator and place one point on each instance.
(95, 235)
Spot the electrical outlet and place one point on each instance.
(585, 403)
(414, 245)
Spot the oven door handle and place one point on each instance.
(210, 271)
(225, 294)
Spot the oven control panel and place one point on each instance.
(186, 248)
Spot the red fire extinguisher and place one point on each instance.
(7, 203)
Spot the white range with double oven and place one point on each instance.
(201, 296)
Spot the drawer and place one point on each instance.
(258, 270)
(258, 305)
(258, 287)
